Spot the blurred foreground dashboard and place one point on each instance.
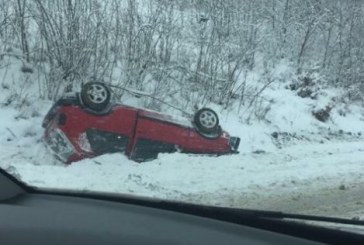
(29, 216)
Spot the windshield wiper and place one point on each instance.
(277, 222)
(236, 215)
(302, 217)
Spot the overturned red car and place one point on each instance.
(87, 124)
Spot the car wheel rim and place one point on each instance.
(208, 119)
(97, 93)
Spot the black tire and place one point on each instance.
(207, 121)
(96, 96)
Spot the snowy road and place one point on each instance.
(306, 178)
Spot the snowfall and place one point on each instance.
(308, 166)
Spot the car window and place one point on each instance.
(234, 103)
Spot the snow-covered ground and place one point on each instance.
(291, 162)
(287, 173)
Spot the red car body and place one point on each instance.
(74, 132)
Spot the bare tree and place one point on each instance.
(202, 48)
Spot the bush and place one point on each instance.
(323, 114)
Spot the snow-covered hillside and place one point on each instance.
(283, 157)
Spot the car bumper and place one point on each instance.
(58, 142)
(234, 143)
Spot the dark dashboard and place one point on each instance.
(29, 216)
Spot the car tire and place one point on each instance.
(95, 96)
(207, 121)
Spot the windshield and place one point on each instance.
(248, 104)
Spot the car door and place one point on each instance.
(157, 133)
(99, 134)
